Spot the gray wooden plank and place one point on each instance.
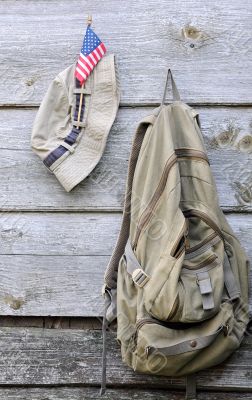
(88, 393)
(60, 233)
(27, 185)
(52, 285)
(53, 357)
(206, 43)
(53, 264)
(79, 234)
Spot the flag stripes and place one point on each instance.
(91, 53)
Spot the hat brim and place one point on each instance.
(77, 166)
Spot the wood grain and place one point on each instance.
(53, 264)
(27, 185)
(52, 285)
(79, 234)
(54, 357)
(205, 43)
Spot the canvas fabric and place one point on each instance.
(177, 281)
(68, 148)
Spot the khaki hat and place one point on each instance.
(70, 148)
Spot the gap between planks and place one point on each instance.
(84, 323)
(105, 210)
(137, 105)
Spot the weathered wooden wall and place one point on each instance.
(54, 245)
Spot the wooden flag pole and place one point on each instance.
(89, 19)
(89, 22)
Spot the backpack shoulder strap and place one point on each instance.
(175, 92)
(110, 277)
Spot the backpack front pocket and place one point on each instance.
(175, 349)
(189, 287)
(201, 289)
(160, 293)
(201, 282)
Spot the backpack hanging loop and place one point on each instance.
(175, 92)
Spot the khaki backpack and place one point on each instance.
(177, 281)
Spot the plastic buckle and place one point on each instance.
(140, 278)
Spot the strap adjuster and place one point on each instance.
(206, 290)
(79, 124)
(139, 277)
(81, 90)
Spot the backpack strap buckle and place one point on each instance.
(206, 290)
(139, 277)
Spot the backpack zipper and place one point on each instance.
(191, 153)
(148, 212)
(185, 246)
(139, 324)
(174, 308)
(188, 249)
(204, 217)
(202, 243)
(210, 260)
(144, 321)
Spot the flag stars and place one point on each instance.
(91, 53)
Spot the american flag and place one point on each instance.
(91, 52)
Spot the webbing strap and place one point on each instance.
(71, 138)
(112, 308)
(104, 351)
(131, 260)
(139, 276)
(110, 277)
(175, 92)
(83, 90)
(79, 124)
(229, 279)
(186, 346)
(206, 290)
(191, 387)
